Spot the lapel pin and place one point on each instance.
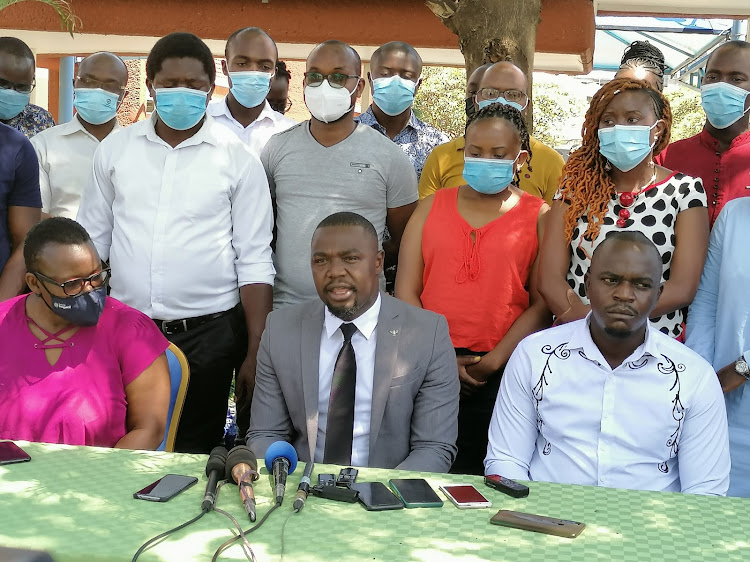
(393, 332)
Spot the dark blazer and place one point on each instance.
(414, 420)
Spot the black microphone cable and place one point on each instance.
(166, 533)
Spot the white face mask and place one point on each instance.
(326, 103)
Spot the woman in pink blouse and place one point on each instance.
(78, 367)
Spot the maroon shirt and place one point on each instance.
(725, 175)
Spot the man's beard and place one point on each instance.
(344, 313)
(620, 334)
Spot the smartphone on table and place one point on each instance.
(415, 492)
(10, 453)
(164, 489)
(465, 496)
(375, 496)
(538, 523)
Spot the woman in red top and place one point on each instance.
(470, 253)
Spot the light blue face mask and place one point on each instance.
(12, 103)
(251, 87)
(625, 146)
(502, 100)
(94, 105)
(393, 94)
(180, 108)
(723, 103)
(489, 175)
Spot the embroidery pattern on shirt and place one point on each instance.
(669, 367)
(561, 352)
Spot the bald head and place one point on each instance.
(397, 50)
(504, 76)
(104, 67)
(629, 240)
(249, 39)
(338, 50)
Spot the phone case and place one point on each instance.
(465, 505)
(538, 523)
(432, 502)
(12, 453)
(185, 483)
(392, 503)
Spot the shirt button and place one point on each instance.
(714, 203)
(716, 171)
(716, 179)
(718, 154)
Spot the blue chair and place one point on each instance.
(179, 375)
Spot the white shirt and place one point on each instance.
(182, 227)
(65, 154)
(364, 342)
(563, 415)
(257, 133)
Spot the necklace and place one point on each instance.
(627, 199)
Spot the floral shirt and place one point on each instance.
(32, 120)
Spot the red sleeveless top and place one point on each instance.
(479, 283)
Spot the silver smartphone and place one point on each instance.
(465, 496)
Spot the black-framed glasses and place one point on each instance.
(20, 88)
(337, 79)
(515, 96)
(75, 287)
(281, 107)
(110, 86)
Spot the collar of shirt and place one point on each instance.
(207, 133)
(221, 108)
(74, 126)
(710, 142)
(581, 340)
(368, 118)
(365, 323)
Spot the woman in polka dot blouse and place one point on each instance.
(611, 183)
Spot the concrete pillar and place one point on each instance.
(67, 71)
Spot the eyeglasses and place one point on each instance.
(281, 107)
(337, 79)
(75, 287)
(20, 88)
(515, 96)
(109, 86)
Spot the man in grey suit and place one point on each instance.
(360, 378)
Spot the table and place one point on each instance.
(76, 503)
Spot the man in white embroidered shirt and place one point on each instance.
(608, 400)
(182, 211)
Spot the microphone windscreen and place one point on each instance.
(281, 449)
(238, 455)
(217, 460)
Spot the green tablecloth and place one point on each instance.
(76, 503)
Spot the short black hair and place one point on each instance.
(16, 47)
(282, 71)
(634, 237)
(347, 218)
(734, 44)
(55, 230)
(396, 47)
(346, 46)
(180, 45)
(254, 31)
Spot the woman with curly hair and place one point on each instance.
(611, 183)
(470, 253)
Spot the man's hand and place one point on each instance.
(468, 384)
(729, 378)
(245, 383)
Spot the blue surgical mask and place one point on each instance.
(251, 87)
(12, 103)
(81, 310)
(723, 103)
(489, 175)
(484, 103)
(393, 95)
(94, 105)
(625, 146)
(180, 108)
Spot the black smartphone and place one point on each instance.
(415, 492)
(347, 476)
(165, 488)
(11, 453)
(375, 496)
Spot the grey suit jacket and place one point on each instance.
(414, 421)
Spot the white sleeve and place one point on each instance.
(44, 188)
(95, 213)
(513, 429)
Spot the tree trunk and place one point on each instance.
(492, 31)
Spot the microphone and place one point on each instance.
(242, 468)
(304, 487)
(281, 460)
(215, 467)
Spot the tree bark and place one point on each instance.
(493, 31)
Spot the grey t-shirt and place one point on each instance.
(366, 173)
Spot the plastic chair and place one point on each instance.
(179, 375)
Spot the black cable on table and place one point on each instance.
(167, 533)
(231, 541)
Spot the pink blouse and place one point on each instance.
(80, 400)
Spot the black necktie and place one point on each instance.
(340, 425)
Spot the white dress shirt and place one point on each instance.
(182, 227)
(65, 155)
(257, 133)
(563, 415)
(364, 342)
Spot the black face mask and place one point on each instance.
(471, 107)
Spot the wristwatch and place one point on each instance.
(741, 367)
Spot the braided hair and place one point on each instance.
(586, 184)
(514, 117)
(282, 71)
(643, 56)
